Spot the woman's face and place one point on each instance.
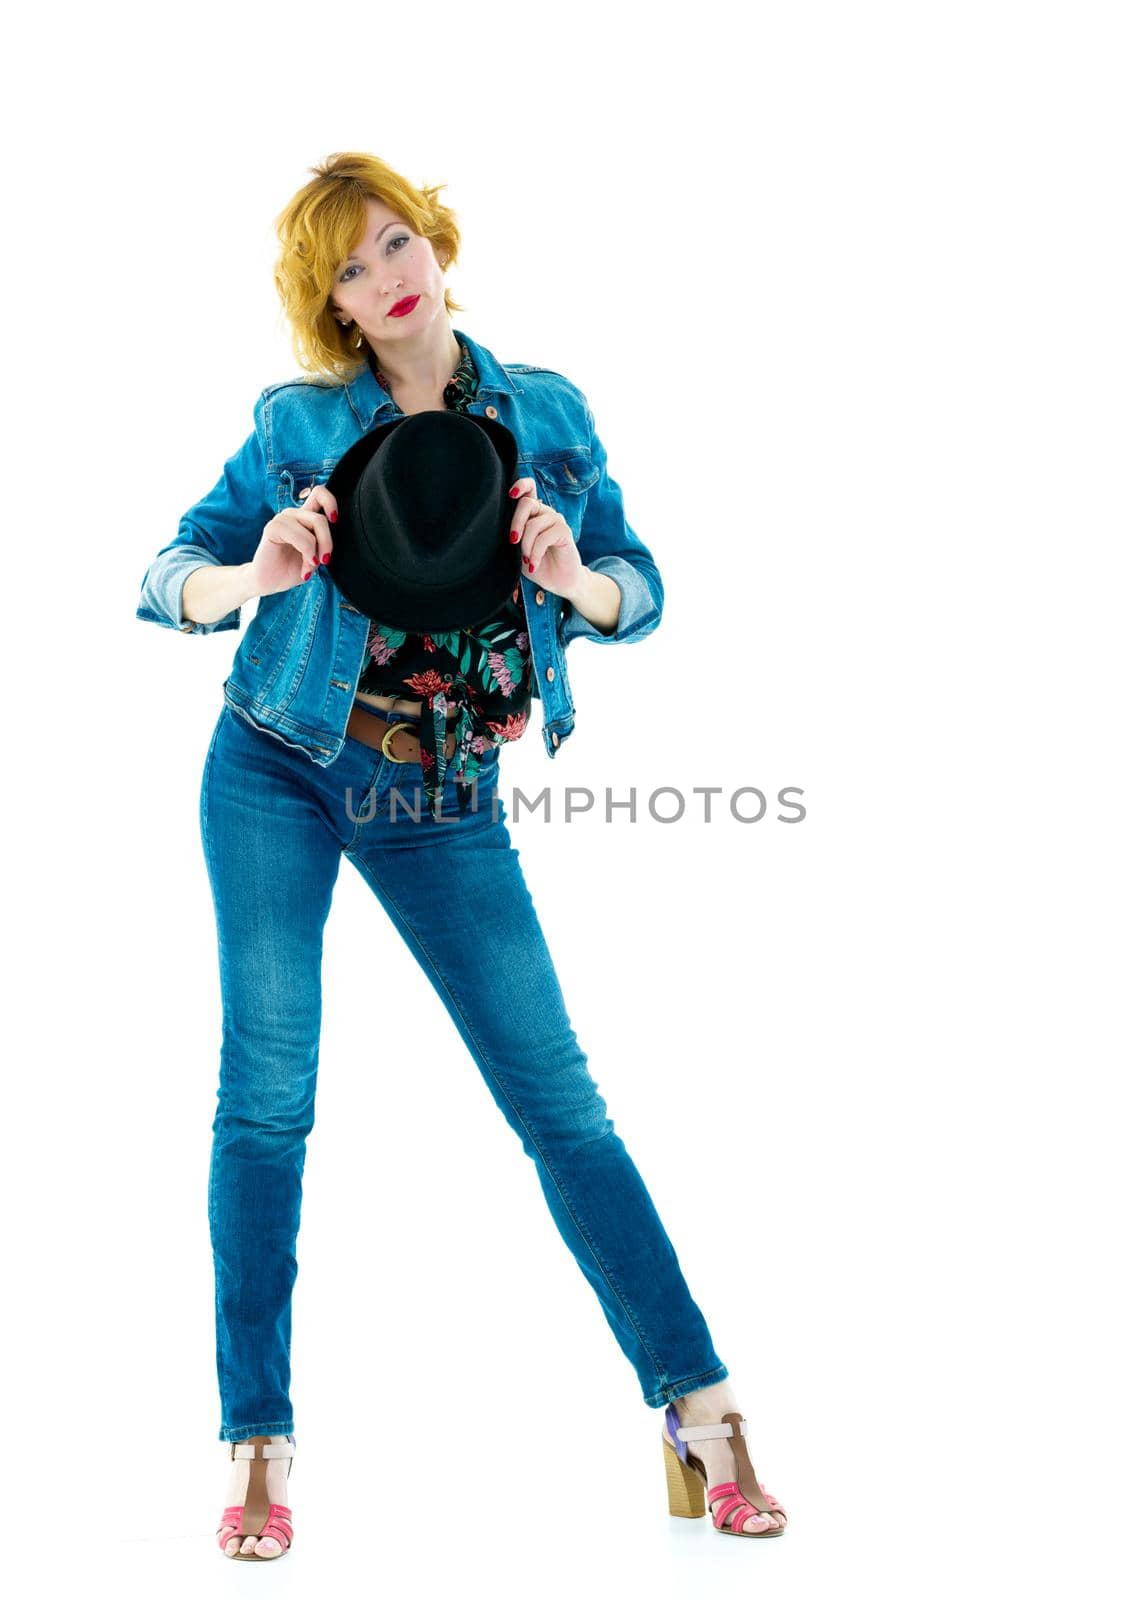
(390, 264)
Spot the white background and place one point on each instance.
(854, 294)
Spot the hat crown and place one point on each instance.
(423, 518)
(424, 498)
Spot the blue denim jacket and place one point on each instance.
(297, 665)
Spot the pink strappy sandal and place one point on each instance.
(686, 1479)
(260, 1515)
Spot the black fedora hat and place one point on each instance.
(421, 538)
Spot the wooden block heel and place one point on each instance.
(685, 1496)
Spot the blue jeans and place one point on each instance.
(275, 826)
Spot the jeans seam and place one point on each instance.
(204, 819)
(587, 1239)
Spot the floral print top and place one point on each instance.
(482, 673)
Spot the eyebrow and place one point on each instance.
(394, 224)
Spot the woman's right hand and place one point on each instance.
(295, 543)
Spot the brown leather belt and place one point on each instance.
(399, 740)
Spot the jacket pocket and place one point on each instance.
(562, 482)
(297, 477)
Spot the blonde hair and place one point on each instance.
(316, 232)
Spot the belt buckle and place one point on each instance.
(390, 731)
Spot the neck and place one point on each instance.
(419, 367)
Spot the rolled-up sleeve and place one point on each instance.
(607, 543)
(223, 529)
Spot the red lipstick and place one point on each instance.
(403, 307)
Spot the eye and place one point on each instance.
(398, 238)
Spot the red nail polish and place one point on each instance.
(307, 577)
(512, 493)
(333, 516)
(325, 559)
(531, 568)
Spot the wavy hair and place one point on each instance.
(320, 227)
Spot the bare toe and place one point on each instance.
(268, 1547)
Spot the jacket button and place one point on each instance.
(555, 738)
(550, 674)
(490, 411)
(539, 597)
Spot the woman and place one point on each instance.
(324, 705)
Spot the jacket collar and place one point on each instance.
(369, 400)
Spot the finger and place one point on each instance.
(300, 529)
(522, 486)
(318, 498)
(537, 525)
(526, 508)
(541, 544)
(283, 530)
(319, 526)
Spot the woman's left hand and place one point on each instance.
(550, 555)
